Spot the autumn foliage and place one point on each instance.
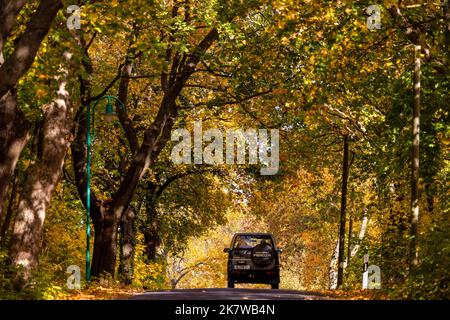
(314, 70)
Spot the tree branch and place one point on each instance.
(9, 10)
(28, 45)
(413, 33)
(171, 179)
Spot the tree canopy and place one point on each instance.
(348, 99)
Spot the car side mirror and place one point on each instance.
(226, 250)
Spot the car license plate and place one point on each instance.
(242, 267)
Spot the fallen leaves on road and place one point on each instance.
(102, 293)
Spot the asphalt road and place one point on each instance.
(231, 294)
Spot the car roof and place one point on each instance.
(254, 234)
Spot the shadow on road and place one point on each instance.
(232, 294)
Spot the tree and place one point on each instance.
(13, 125)
(183, 64)
(42, 177)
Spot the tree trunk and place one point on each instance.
(105, 246)
(150, 228)
(362, 233)
(152, 243)
(446, 12)
(430, 198)
(341, 251)
(9, 211)
(414, 220)
(41, 180)
(14, 134)
(332, 271)
(127, 247)
(349, 240)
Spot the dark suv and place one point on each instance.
(253, 258)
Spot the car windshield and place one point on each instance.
(250, 241)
